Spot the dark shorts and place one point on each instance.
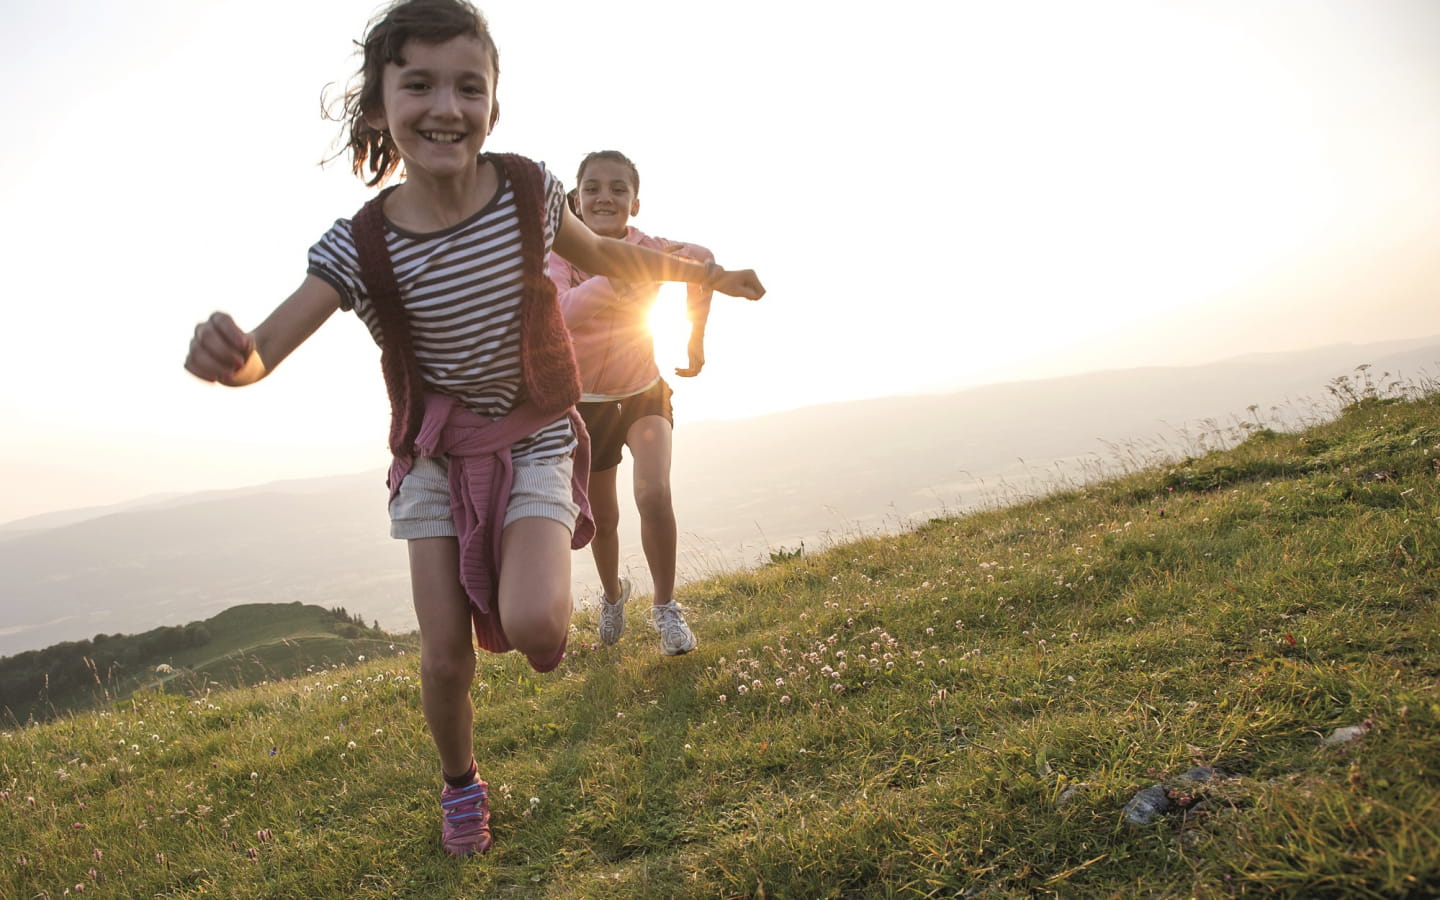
(608, 421)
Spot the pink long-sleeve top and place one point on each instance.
(481, 474)
(608, 322)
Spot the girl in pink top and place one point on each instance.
(625, 401)
(467, 261)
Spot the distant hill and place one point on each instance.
(243, 645)
(61, 518)
(168, 565)
(742, 489)
(745, 487)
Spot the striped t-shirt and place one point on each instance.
(461, 288)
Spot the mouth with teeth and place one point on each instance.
(442, 137)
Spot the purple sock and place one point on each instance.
(460, 781)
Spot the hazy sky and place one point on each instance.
(935, 194)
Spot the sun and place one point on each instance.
(670, 328)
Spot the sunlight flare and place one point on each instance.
(670, 328)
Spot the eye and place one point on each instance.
(416, 84)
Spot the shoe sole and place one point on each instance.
(682, 651)
(469, 853)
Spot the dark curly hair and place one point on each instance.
(428, 21)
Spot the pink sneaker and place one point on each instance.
(467, 819)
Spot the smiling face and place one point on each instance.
(607, 197)
(438, 105)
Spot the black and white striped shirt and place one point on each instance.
(461, 288)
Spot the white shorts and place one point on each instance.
(541, 488)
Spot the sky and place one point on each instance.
(935, 196)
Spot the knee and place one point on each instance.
(653, 499)
(607, 522)
(450, 668)
(540, 642)
(540, 629)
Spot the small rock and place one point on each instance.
(1347, 734)
(1147, 805)
(1069, 794)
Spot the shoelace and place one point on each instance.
(464, 806)
(667, 620)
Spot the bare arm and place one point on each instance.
(583, 296)
(631, 262)
(221, 352)
(697, 308)
(697, 297)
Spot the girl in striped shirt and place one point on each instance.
(447, 270)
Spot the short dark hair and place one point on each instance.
(614, 156)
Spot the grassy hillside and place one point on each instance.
(980, 708)
(243, 645)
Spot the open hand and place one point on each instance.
(697, 360)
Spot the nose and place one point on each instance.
(445, 103)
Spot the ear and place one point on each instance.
(635, 207)
(376, 118)
(494, 116)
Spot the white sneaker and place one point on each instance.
(675, 636)
(612, 615)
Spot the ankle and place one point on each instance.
(460, 781)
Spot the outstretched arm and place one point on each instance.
(631, 262)
(221, 352)
(583, 296)
(697, 307)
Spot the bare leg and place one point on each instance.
(649, 440)
(605, 545)
(535, 586)
(447, 650)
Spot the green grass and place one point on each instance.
(960, 710)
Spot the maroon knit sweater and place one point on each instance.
(547, 359)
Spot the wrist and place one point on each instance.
(713, 271)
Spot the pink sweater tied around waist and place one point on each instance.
(481, 474)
